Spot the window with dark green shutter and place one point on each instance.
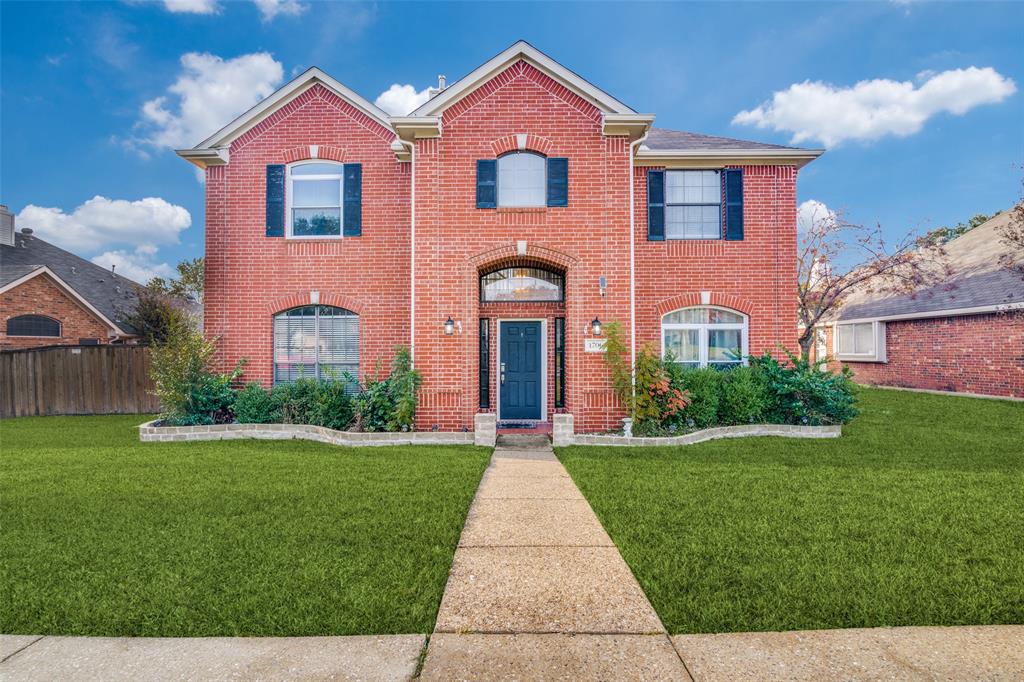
(655, 205)
(275, 200)
(353, 199)
(734, 204)
(487, 183)
(558, 181)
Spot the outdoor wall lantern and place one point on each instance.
(595, 327)
(449, 327)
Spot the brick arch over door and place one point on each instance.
(693, 298)
(509, 254)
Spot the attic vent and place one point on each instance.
(441, 85)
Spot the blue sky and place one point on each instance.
(919, 103)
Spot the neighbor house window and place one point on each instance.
(863, 341)
(315, 192)
(704, 336)
(522, 284)
(316, 341)
(693, 204)
(32, 325)
(522, 179)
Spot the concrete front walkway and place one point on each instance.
(537, 590)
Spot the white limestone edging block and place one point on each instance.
(150, 433)
(485, 429)
(741, 431)
(563, 430)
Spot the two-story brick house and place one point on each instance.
(493, 231)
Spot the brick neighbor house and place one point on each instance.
(49, 296)
(966, 335)
(493, 231)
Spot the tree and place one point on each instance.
(187, 285)
(941, 235)
(1012, 236)
(154, 315)
(836, 257)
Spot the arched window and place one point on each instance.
(522, 284)
(33, 325)
(522, 179)
(705, 336)
(315, 191)
(316, 341)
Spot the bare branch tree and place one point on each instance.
(836, 257)
(1012, 236)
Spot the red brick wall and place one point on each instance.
(968, 354)
(42, 296)
(250, 277)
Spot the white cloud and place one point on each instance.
(271, 8)
(192, 6)
(399, 100)
(100, 223)
(813, 212)
(208, 94)
(139, 265)
(875, 108)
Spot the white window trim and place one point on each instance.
(703, 329)
(721, 201)
(316, 348)
(878, 353)
(339, 176)
(497, 181)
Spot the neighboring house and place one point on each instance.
(492, 231)
(965, 335)
(49, 296)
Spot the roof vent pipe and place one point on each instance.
(441, 82)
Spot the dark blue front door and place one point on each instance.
(520, 370)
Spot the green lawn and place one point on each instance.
(103, 535)
(914, 517)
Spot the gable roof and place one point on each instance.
(521, 50)
(662, 139)
(105, 292)
(979, 280)
(213, 150)
(680, 147)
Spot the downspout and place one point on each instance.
(411, 146)
(632, 259)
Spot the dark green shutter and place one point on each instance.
(487, 183)
(275, 200)
(353, 199)
(733, 203)
(558, 182)
(656, 205)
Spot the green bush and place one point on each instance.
(256, 405)
(799, 392)
(389, 404)
(189, 392)
(332, 406)
(704, 387)
(744, 396)
(298, 400)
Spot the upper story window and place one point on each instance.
(316, 341)
(33, 325)
(693, 204)
(522, 284)
(864, 341)
(522, 180)
(705, 336)
(315, 196)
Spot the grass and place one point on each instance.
(103, 535)
(914, 517)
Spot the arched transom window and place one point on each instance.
(705, 336)
(315, 341)
(522, 284)
(522, 179)
(32, 325)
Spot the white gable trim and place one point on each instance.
(522, 50)
(43, 270)
(304, 81)
(926, 314)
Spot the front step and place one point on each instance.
(523, 441)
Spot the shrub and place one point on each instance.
(298, 400)
(332, 406)
(256, 405)
(801, 393)
(189, 393)
(704, 388)
(744, 396)
(389, 404)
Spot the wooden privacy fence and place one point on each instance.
(76, 380)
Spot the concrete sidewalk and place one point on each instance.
(538, 590)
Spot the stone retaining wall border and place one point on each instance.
(742, 431)
(150, 433)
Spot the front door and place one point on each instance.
(519, 370)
